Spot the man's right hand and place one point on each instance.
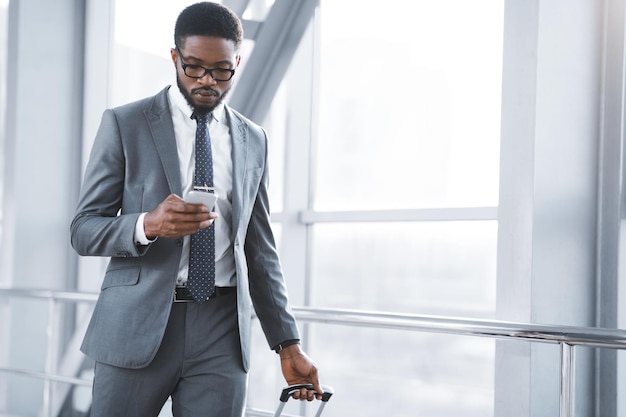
(173, 217)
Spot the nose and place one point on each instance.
(207, 79)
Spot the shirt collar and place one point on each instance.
(180, 102)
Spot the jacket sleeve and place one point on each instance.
(99, 228)
(267, 286)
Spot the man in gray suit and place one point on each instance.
(150, 336)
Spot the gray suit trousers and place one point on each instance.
(198, 364)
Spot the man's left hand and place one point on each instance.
(298, 368)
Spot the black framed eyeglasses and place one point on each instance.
(198, 71)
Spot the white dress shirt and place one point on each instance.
(221, 147)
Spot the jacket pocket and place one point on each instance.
(121, 277)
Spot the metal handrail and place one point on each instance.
(46, 377)
(571, 335)
(567, 336)
(49, 294)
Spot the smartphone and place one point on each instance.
(202, 197)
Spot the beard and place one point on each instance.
(201, 109)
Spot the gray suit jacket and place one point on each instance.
(134, 166)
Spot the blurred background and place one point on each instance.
(449, 158)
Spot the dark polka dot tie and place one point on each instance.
(201, 279)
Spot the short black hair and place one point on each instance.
(208, 19)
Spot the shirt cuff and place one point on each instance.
(140, 234)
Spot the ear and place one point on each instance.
(238, 61)
(174, 55)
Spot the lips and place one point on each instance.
(205, 92)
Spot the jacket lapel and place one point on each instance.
(239, 134)
(162, 129)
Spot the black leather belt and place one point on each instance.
(182, 294)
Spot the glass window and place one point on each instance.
(409, 117)
(441, 268)
(409, 105)
(276, 125)
(141, 64)
(401, 373)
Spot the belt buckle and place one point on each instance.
(183, 292)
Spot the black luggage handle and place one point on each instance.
(284, 396)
